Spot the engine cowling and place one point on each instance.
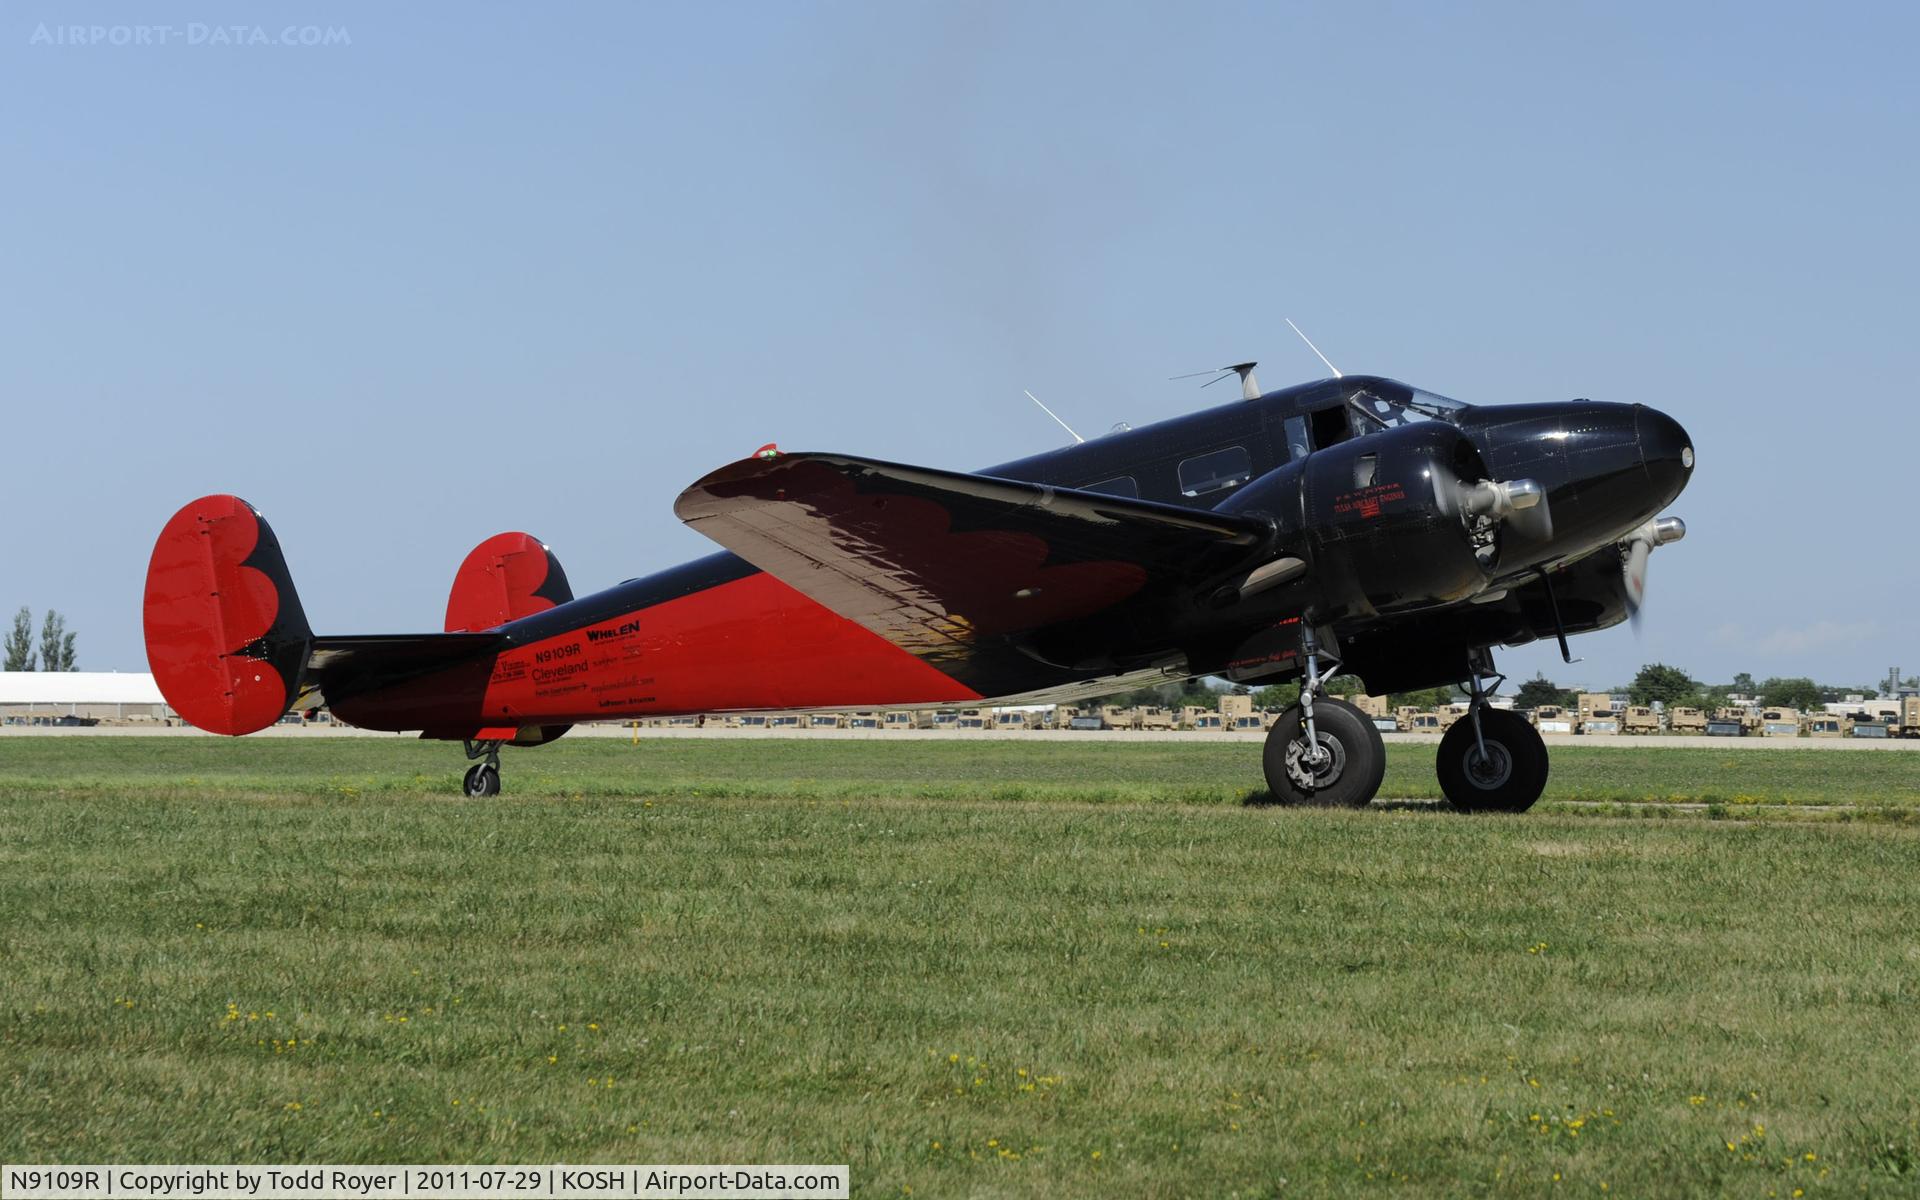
(1381, 520)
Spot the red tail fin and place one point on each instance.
(226, 636)
(508, 576)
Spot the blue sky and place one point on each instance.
(492, 267)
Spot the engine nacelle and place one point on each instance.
(1382, 520)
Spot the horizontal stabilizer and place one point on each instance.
(342, 667)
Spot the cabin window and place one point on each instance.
(1119, 485)
(1215, 472)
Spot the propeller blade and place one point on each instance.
(1633, 566)
(1638, 547)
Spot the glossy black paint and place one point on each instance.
(1370, 508)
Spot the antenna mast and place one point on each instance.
(1056, 416)
(1309, 341)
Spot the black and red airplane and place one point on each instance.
(1355, 524)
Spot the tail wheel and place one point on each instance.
(1347, 771)
(1509, 777)
(483, 779)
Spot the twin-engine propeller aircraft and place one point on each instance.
(1355, 524)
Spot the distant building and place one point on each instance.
(29, 697)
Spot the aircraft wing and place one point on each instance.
(940, 562)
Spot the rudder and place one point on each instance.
(226, 637)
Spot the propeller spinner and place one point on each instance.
(1635, 551)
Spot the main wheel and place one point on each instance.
(483, 779)
(1349, 769)
(1509, 778)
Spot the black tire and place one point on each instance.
(482, 780)
(1513, 775)
(1357, 760)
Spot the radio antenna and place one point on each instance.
(1309, 341)
(1055, 416)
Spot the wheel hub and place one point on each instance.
(1310, 771)
(1491, 770)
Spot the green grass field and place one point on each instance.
(1001, 968)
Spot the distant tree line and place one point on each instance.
(1672, 687)
(55, 652)
(1659, 683)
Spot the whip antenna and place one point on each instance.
(1309, 341)
(1056, 416)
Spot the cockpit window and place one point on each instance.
(1390, 405)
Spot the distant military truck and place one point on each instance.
(831, 720)
(1907, 723)
(1194, 717)
(1016, 718)
(863, 720)
(1087, 719)
(1730, 722)
(1779, 722)
(1874, 729)
(1640, 719)
(974, 718)
(1236, 712)
(944, 718)
(1373, 706)
(1596, 707)
(1419, 720)
(1551, 718)
(1686, 720)
(906, 718)
(1829, 725)
(1117, 717)
(1155, 717)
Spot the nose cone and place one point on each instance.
(1666, 450)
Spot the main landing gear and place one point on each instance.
(1328, 752)
(483, 778)
(1324, 751)
(1493, 760)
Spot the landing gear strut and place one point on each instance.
(483, 778)
(1324, 751)
(1493, 760)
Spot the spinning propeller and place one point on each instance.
(1635, 551)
